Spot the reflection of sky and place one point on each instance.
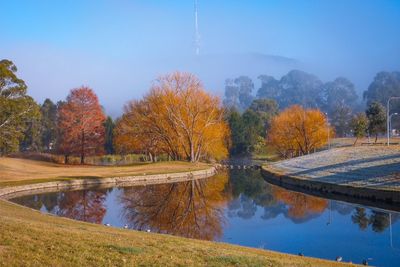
(114, 210)
(314, 237)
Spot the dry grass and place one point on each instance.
(18, 171)
(29, 238)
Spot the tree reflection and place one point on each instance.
(191, 209)
(379, 221)
(300, 206)
(249, 190)
(83, 205)
(360, 217)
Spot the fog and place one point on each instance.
(119, 48)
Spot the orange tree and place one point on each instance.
(81, 124)
(177, 117)
(299, 131)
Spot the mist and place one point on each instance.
(120, 48)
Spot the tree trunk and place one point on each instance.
(192, 157)
(376, 138)
(355, 142)
(66, 159)
(83, 148)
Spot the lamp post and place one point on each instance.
(329, 130)
(390, 122)
(388, 117)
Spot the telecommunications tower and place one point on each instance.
(196, 34)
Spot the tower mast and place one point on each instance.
(197, 35)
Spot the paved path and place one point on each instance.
(373, 167)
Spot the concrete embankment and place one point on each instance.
(15, 191)
(364, 174)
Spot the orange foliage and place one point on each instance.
(192, 209)
(81, 124)
(300, 205)
(176, 117)
(299, 131)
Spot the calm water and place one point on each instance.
(240, 208)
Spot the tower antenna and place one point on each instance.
(196, 34)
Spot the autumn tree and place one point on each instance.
(177, 117)
(17, 109)
(81, 123)
(299, 131)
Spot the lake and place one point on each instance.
(238, 207)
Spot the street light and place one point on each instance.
(329, 130)
(390, 122)
(388, 117)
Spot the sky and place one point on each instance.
(120, 47)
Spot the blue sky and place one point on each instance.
(119, 47)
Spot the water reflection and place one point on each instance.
(197, 208)
(85, 205)
(238, 207)
(192, 209)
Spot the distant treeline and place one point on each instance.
(338, 99)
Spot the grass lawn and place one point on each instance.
(29, 238)
(15, 171)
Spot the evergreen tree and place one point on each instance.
(48, 124)
(109, 138)
(377, 119)
(17, 109)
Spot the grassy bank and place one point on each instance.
(29, 238)
(22, 171)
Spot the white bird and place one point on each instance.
(107, 224)
(339, 259)
(125, 226)
(148, 230)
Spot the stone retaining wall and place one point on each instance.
(322, 188)
(16, 191)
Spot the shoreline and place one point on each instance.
(7, 193)
(377, 197)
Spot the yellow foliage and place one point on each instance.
(192, 209)
(176, 117)
(299, 131)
